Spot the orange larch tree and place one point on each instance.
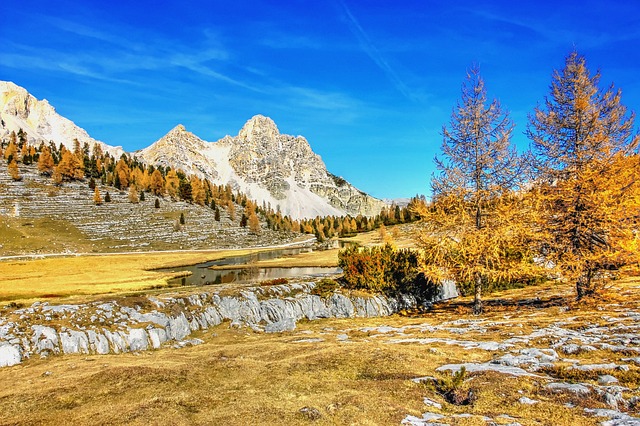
(587, 182)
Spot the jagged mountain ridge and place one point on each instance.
(20, 110)
(268, 166)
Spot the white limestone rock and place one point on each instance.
(138, 339)
(9, 355)
(74, 342)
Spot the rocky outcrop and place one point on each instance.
(278, 169)
(111, 327)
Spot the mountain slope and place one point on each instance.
(20, 110)
(268, 166)
(272, 168)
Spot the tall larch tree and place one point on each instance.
(12, 149)
(197, 191)
(12, 168)
(97, 198)
(156, 183)
(122, 174)
(589, 203)
(472, 231)
(133, 194)
(45, 162)
(69, 166)
(172, 184)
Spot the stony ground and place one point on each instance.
(535, 358)
(38, 217)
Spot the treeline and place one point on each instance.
(128, 173)
(347, 226)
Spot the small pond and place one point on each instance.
(202, 274)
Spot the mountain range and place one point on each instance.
(271, 168)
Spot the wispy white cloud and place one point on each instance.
(372, 51)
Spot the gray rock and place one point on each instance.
(577, 389)
(9, 355)
(138, 340)
(157, 336)
(98, 342)
(117, 341)
(286, 324)
(607, 379)
(341, 306)
(432, 403)
(426, 419)
(473, 368)
(616, 417)
(179, 327)
(591, 367)
(527, 401)
(74, 342)
(45, 339)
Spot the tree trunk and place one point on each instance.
(583, 285)
(477, 301)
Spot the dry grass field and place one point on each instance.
(74, 278)
(326, 372)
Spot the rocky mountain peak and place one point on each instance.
(40, 121)
(257, 128)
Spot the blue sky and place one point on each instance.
(368, 83)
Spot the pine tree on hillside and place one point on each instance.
(133, 195)
(157, 183)
(45, 162)
(107, 197)
(12, 150)
(157, 203)
(197, 191)
(254, 223)
(122, 174)
(12, 168)
(231, 210)
(70, 167)
(217, 215)
(584, 142)
(97, 198)
(172, 184)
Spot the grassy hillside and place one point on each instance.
(38, 217)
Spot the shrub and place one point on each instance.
(325, 287)
(276, 281)
(384, 269)
(453, 389)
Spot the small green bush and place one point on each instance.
(325, 287)
(453, 388)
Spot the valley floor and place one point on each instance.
(535, 358)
